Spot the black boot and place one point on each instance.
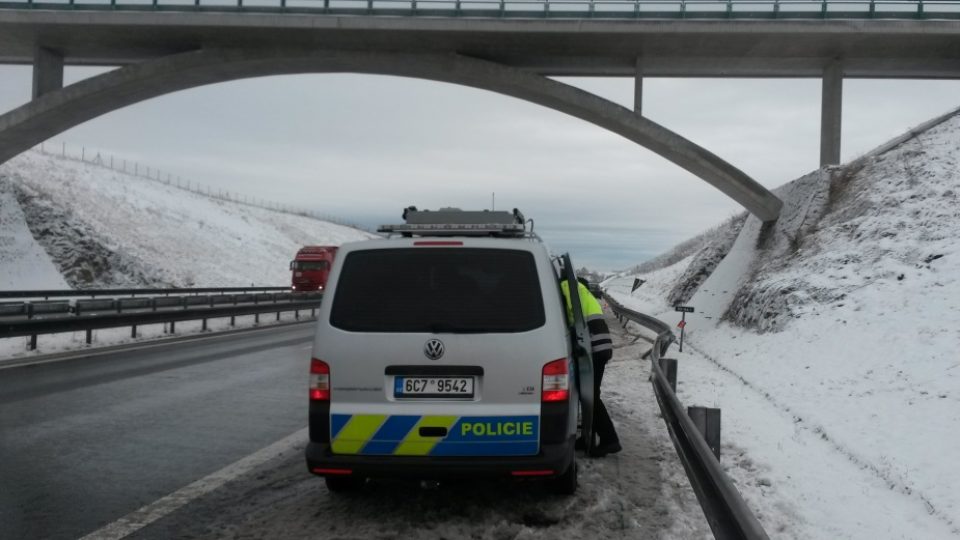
(604, 448)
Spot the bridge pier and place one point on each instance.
(831, 114)
(638, 88)
(47, 71)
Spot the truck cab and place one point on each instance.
(311, 268)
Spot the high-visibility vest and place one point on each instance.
(600, 339)
(588, 303)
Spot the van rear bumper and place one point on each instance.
(552, 457)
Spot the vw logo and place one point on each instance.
(433, 349)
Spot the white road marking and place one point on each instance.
(164, 506)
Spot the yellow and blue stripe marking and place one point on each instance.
(399, 435)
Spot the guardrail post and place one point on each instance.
(707, 421)
(133, 331)
(296, 314)
(30, 310)
(669, 368)
(256, 318)
(203, 328)
(173, 327)
(90, 336)
(233, 320)
(33, 342)
(278, 315)
(313, 313)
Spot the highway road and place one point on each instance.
(84, 442)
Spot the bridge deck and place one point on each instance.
(549, 46)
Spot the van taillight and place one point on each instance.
(319, 380)
(556, 381)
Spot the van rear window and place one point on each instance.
(457, 290)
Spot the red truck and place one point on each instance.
(311, 267)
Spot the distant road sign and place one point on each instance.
(683, 309)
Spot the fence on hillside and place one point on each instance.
(134, 168)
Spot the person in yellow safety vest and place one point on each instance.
(601, 345)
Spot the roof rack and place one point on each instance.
(457, 222)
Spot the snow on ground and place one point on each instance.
(24, 263)
(106, 228)
(841, 419)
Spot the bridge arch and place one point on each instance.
(59, 110)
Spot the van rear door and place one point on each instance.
(438, 350)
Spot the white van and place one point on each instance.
(443, 352)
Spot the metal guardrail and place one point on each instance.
(630, 9)
(726, 512)
(181, 312)
(93, 293)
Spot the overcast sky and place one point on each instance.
(362, 147)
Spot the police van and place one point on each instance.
(444, 351)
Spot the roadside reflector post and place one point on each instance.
(203, 327)
(683, 320)
(296, 314)
(173, 327)
(233, 320)
(33, 342)
(89, 337)
(133, 331)
(669, 368)
(256, 318)
(278, 315)
(313, 313)
(707, 421)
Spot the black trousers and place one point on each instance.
(602, 425)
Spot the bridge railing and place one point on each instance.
(728, 515)
(642, 9)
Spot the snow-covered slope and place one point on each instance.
(105, 228)
(23, 262)
(838, 364)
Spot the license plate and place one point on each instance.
(404, 387)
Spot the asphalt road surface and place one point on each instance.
(86, 441)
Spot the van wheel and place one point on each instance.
(566, 483)
(343, 484)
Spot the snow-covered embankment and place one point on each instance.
(836, 362)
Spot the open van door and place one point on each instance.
(581, 355)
